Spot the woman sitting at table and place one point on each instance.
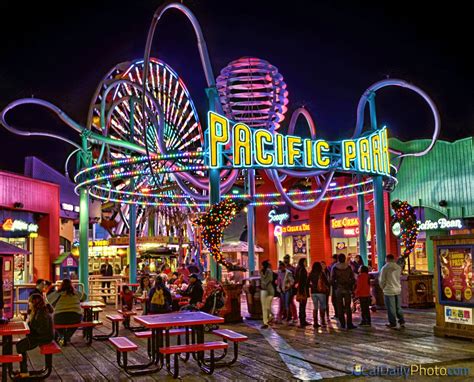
(67, 309)
(143, 290)
(194, 291)
(41, 329)
(160, 297)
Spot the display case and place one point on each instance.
(6, 284)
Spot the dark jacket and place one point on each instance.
(106, 270)
(195, 292)
(313, 281)
(342, 277)
(301, 278)
(162, 301)
(41, 328)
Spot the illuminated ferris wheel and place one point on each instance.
(172, 126)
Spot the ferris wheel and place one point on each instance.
(173, 126)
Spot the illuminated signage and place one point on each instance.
(396, 229)
(295, 228)
(440, 224)
(273, 217)
(345, 222)
(69, 207)
(277, 232)
(99, 243)
(250, 148)
(18, 225)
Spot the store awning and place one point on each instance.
(157, 252)
(8, 249)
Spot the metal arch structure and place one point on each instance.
(150, 158)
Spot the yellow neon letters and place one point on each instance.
(218, 137)
(242, 145)
(262, 138)
(320, 148)
(292, 150)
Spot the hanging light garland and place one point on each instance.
(212, 225)
(406, 217)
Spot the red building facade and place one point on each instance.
(21, 196)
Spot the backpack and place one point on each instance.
(158, 298)
(322, 287)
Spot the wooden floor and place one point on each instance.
(331, 352)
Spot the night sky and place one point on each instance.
(329, 52)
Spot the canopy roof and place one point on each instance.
(9, 249)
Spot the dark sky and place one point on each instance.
(329, 52)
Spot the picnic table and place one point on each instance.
(87, 306)
(160, 325)
(7, 331)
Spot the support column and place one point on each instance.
(362, 234)
(132, 246)
(379, 209)
(84, 239)
(251, 222)
(214, 184)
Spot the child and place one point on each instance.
(362, 292)
(127, 303)
(41, 330)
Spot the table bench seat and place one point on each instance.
(10, 358)
(230, 335)
(126, 312)
(173, 332)
(123, 344)
(216, 345)
(114, 317)
(51, 348)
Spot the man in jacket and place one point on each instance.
(285, 284)
(389, 281)
(106, 270)
(343, 281)
(292, 305)
(194, 290)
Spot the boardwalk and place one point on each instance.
(286, 353)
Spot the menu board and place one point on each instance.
(455, 274)
(299, 245)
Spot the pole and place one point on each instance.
(251, 222)
(84, 223)
(378, 197)
(132, 215)
(214, 186)
(362, 233)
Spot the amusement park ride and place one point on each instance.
(144, 145)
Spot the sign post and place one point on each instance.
(362, 233)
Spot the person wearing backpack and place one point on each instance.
(160, 297)
(319, 287)
(267, 292)
(343, 281)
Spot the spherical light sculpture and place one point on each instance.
(252, 91)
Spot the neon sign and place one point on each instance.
(255, 148)
(273, 217)
(295, 228)
(277, 232)
(345, 222)
(440, 224)
(11, 225)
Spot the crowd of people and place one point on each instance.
(346, 283)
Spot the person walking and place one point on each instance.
(389, 281)
(327, 272)
(302, 290)
(319, 288)
(106, 270)
(343, 282)
(41, 329)
(285, 283)
(267, 291)
(362, 292)
(331, 289)
(292, 306)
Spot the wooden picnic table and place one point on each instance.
(88, 306)
(160, 325)
(7, 331)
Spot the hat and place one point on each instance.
(193, 275)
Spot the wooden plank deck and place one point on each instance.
(331, 352)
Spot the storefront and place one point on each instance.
(29, 219)
(345, 233)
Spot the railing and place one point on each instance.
(97, 289)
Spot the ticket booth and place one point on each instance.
(7, 277)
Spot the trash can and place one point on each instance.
(252, 294)
(231, 310)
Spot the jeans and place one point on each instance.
(343, 302)
(334, 301)
(27, 343)
(266, 301)
(285, 305)
(394, 309)
(319, 301)
(302, 311)
(365, 309)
